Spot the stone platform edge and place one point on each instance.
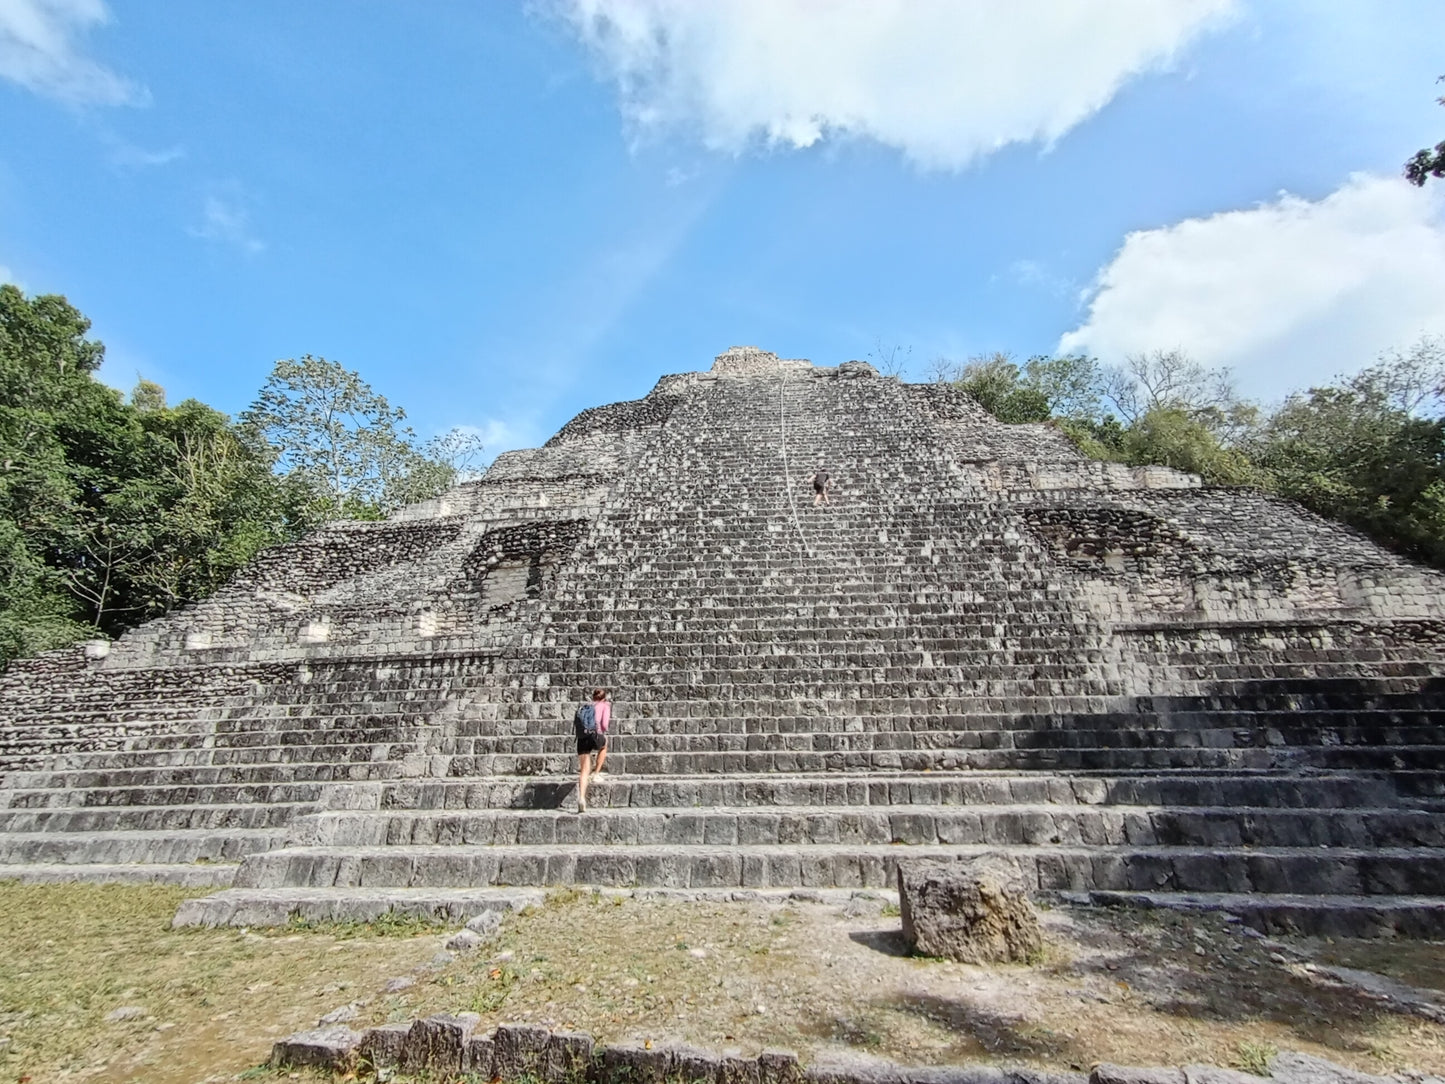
(282, 906)
(453, 1044)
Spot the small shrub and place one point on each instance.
(1252, 1057)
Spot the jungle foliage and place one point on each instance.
(116, 509)
(1368, 449)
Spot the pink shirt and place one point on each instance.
(603, 710)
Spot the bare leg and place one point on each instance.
(584, 770)
(601, 759)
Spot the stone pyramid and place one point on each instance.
(1136, 686)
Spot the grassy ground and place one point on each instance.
(1141, 988)
(213, 1000)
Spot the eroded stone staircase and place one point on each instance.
(1134, 685)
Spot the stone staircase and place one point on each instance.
(1137, 687)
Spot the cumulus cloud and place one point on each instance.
(225, 220)
(1288, 292)
(943, 81)
(39, 51)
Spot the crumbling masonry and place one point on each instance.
(1132, 683)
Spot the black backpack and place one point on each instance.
(586, 719)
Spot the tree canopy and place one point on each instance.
(1368, 449)
(1428, 162)
(115, 510)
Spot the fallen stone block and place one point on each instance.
(693, 1065)
(465, 941)
(733, 1069)
(1292, 1067)
(1212, 1074)
(438, 1043)
(841, 1068)
(480, 1057)
(486, 924)
(973, 912)
(381, 1046)
(343, 1015)
(779, 1067)
(629, 1063)
(568, 1056)
(324, 1047)
(519, 1049)
(1105, 1073)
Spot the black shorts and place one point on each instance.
(594, 742)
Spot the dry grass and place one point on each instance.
(215, 1000)
(1121, 986)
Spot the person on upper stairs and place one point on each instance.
(591, 723)
(821, 487)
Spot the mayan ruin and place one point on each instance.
(1137, 686)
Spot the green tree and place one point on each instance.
(1370, 450)
(207, 503)
(1173, 437)
(996, 384)
(1427, 163)
(1069, 385)
(59, 431)
(339, 444)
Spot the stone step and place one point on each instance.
(199, 875)
(152, 818)
(66, 797)
(1381, 917)
(611, 789)
(279, 906)
(912, 824)
(113, 760)
(165, 847)
(1238, 735)
(916, 760)
(202, 775)
(1307, 871)
(1420, 917)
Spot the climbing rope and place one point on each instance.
(788, 474)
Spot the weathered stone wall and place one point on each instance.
(973, 596)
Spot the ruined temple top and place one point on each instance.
(750, 361)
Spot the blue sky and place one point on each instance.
(503, 213)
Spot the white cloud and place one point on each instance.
(1287, 293)
(225, 220)
(943, 81)
(6, 275)
(128, 156)
(38, 50)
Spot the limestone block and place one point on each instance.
(1212, 1074)
(382, 1046)
(519, 1049)
(323, 1047)
(568, 1056)
(1292, 1067)
(976, 911)
(1106, 1073)
(439, 1043)
(779, 1067)
(633, 1063)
